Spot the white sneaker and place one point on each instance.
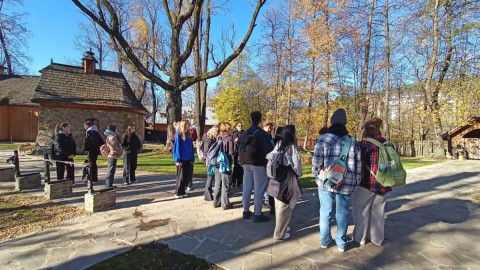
(341, 250)
(325, 246)
(185, 195)
(189, 188)
(178, 196)
(363, 243)
(286, 236)
(287, 229)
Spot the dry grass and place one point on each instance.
(22, 213)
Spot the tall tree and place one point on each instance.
(13, 35)
(177, 13)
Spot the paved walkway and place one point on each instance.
(428, 227)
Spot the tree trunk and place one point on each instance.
(435, 106)
(174, 112)
(386, 98)
(363, 95)
(197, 62)
(6, 53)
(310, 103)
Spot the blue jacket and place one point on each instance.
(183, 149)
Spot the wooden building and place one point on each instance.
(72, 94)
(466, 136)
(18, 114)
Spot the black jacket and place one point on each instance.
(264, 145)
(64, 145)
(131, 144)
(93, 141)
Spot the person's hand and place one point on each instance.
(179, 164)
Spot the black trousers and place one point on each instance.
(129, 167)
(184, 177)
(92, 158)
(61, 167)
(237, 174)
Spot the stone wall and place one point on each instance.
(7, 174)
(28, 181)
(98, 201)
(58, 189)
(50, 116)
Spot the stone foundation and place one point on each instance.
(28, 181)
(58, 189)
(100, 200)
(7, 175)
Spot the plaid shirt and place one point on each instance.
(370, 155)
(327, 149)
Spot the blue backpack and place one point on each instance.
(222, 162)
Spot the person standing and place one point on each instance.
(237, 174)
(114, 145)
(328, 149)
(223, 179)
(65, 149)
(368, 200)
(183, 155)
(93, 142)
(131, 145)
(255, 174)
(208, 140)
(290, 190)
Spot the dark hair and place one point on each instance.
(89, 123)
(112, 128)
(63, 125)
(255, 118)
(288, 137)
(323, 130)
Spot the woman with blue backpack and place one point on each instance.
(208, 140)
(223, 170)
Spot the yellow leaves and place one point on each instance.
(141, 29)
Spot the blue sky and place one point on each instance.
(53, 25)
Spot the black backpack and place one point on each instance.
(247, 148)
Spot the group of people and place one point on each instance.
(114, 146)
(358, 188)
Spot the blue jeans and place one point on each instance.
(326, 215)
(254, 178)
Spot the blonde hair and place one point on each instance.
(184, 131)
(213, 132)
(224, 127)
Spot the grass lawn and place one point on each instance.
(9, 146)
(152, 160)
(154, 256)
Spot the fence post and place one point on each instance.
(16, 162)
(46, 168)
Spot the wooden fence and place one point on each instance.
(415, 148)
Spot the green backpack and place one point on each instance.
(390, 170)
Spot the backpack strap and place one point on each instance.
(346, 148)
(377, 143)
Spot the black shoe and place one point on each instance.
(247, 214)
(228, 206)
(260, 218)
(216, 205)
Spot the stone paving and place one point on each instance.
(427, 227)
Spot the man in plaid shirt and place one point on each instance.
(327, 149)
(369, 199)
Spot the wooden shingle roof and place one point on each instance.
(70, 84)
(17, 89)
